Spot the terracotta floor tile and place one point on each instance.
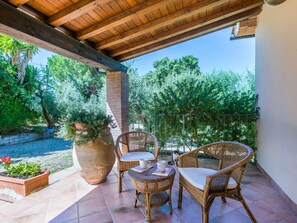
(96, 218)
(219, 208)
(61, 175)
(110, 179)
(110, 188)
(92, 206)
(44, 194)
(185, 200)
(60, 203)
(162, 215)
(290, 219)
(95, 193)
(276, 206)
(67, 215)
(71, 221)
(124, 214)
(119, 200)
(252, 194)
(268, 189)
(25, 207)
(231, 217)
(189, 212)
(60, 185)
(236, 204)
(6, 218)
(261, 214)
(141, 221)
(32, 218)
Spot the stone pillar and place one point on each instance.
(117, 94)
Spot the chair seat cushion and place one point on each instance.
(197, 177)
(136, 156)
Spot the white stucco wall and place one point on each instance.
(276, 83)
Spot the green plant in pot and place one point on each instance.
(93, 142)
(22, 178)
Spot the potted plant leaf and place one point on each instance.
(23, 178)
(93, 142)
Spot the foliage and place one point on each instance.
(14, 115)
(193, 109)
(138, 91)
(29, 94)
(18, 53)
(22, 169)
(166, 67)
(87, 80)
(90, 112)
(14, 99)
(38, 129)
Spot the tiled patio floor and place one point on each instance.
(69, 199)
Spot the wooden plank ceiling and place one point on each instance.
(125, 29)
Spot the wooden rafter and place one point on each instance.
(175, 16)
(227, 12)
(120, 18)
(75, 10)
(221, 24)
(24, 27)
(18, 2)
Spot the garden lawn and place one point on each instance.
(54, 154)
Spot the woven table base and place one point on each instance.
(156, 200)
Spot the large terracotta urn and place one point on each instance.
(96, 158)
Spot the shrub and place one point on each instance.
(14, 114)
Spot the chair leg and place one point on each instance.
(206, 208)
(135, 203)
(120, 181)
(247, 209)
(170, 202)
(180, 196)
(205, 217)
(223, 199)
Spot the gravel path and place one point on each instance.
(54, 154)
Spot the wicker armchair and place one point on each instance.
(133, 146)
(206, 184)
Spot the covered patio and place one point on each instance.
(105, 33)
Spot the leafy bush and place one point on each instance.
(14, 114)
(15, 110)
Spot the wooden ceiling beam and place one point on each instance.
(18, 2)
(163, 21)
(221, 24)
(120, 18)
(75, 10)
(227, 12)
(19, 25)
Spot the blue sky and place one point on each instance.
(215, 51)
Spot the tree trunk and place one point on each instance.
(46, 115)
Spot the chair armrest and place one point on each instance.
(156, 149)
(218, 182)
(156, 152)
(190, 159)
